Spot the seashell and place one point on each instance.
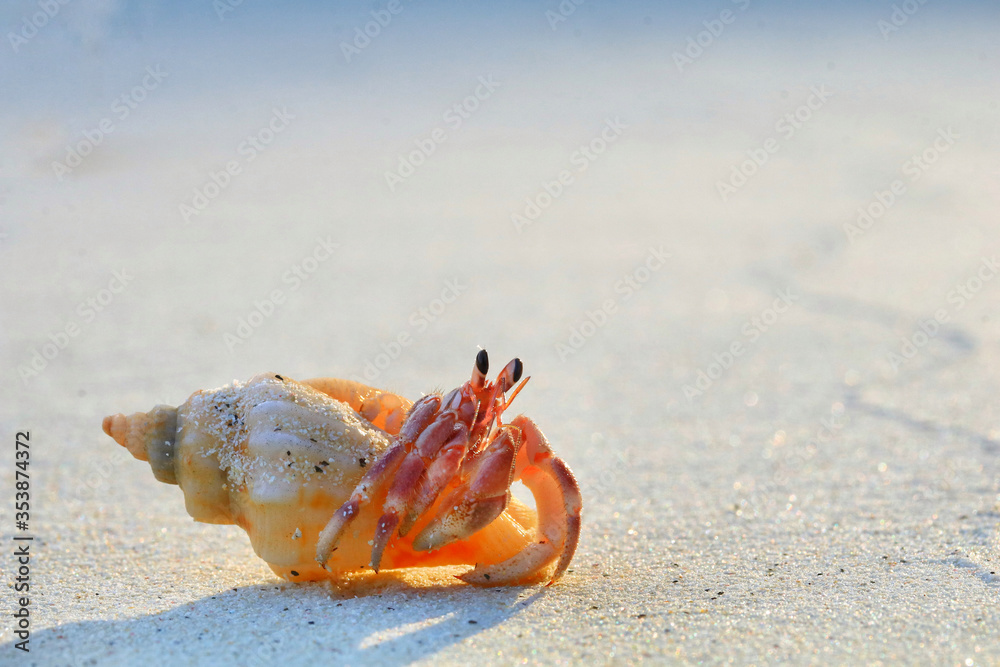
(279, 457)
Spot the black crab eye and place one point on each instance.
(483, 362)
(518, 369)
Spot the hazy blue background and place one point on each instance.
(325, 174)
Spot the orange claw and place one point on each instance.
(559, 504)
(476, 502)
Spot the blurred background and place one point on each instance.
(745, 250)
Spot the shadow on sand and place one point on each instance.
(397, 616)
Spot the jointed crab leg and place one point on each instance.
(476, 502)
(383, 409)
(447, 438)
(395, 503)
(435, 427)
(558, 502)
(378, 476)
(439, 474)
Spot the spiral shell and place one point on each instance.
(272, 456)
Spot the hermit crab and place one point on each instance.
(330, 476)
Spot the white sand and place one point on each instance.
(813, 505)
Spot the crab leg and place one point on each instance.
(443, 440)
(558, 501)
(387, 411)
(403, 487)
(377, 477)
(477, 502)
(440, 472)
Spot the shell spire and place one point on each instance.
(148, 436)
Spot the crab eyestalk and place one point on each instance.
(491, 401)
(480, 370)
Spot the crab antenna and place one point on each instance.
(505, 381)
(517, 390)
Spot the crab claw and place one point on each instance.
(439, 473)
(476, 503)
(377, 475)
(559, 503)
(396, 501)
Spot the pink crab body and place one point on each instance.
(446, 483)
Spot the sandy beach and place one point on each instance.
(748, 255)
